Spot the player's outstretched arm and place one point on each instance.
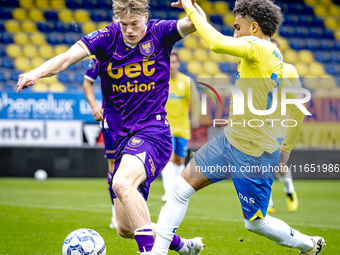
(185, 24)
(217, 42)
(52, 67)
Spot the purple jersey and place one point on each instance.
(135, 80)
(93, 71)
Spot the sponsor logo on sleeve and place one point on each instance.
(92, 35)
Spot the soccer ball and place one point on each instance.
(40, 175)
(84, 242)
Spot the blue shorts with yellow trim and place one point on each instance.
(252, 176)
(180, 146)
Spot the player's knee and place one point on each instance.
(125, 231)
(119, 187)
(255, 226)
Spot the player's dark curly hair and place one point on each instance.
(267, 14)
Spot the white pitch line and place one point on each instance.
(206, 218)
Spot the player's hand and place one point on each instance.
(97, 113)
(25, 80)
(183, 4)
(284, 157)
(195, 123)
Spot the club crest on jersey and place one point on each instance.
(135, 142)
(92, 35)
(147, 48)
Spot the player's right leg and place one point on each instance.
(193, 178)
(174, 210)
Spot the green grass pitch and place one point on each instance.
(35, 217)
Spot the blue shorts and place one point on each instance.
(180, 146)
(252, 176)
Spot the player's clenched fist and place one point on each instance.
(26, 80)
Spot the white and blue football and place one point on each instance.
(84, 242)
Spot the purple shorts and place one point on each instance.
(152, 145)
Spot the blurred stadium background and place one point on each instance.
(54, 121)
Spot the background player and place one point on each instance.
(97, 113)
(280, 132)
(182, 92)
(134, 58)
(238, 146)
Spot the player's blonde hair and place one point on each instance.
(124, 8)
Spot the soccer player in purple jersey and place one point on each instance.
(109, 137)
(134, 57)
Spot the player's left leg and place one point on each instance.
(140, 158)
(254, 193)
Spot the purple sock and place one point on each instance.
(144, 238)
(177, 243)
